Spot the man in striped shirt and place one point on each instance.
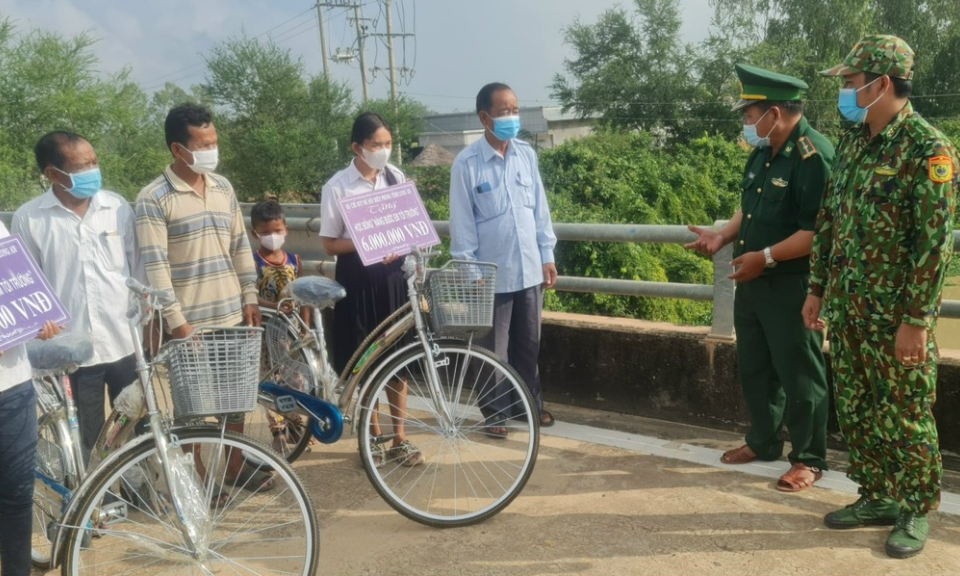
(192, 239)
(192, 235)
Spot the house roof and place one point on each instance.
(433, 155)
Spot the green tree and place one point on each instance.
(282, 133)
(634, 72)
(617, 177)
(48, 82)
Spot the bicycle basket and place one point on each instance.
(283, 363)
(460, 295)
(214, 371)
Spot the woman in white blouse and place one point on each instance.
(373, 292)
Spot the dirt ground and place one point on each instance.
(591, 509)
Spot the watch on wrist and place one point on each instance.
(771, 263)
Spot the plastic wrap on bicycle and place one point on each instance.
(316, 291)
(68, 350)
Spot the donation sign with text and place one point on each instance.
(387, 221)
(26, 300)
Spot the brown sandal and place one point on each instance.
(741, 455)
(798, 477)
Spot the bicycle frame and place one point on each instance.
(353, 380)
(119, 428)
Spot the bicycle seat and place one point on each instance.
(61, 354)
(316, 291)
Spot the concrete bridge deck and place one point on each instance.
(618, 495)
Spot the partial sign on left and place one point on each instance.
(26, 300)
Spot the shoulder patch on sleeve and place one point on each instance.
(807, 149)
(940, 169)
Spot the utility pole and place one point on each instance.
(363, 65)
(323, 38)
(393, 74)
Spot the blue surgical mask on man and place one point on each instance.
(751, 136)
(847, 103)
(84, 184)
(506, 127)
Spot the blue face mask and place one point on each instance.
(847, 103)
(751, 136)
(84, 184)
(506, 127)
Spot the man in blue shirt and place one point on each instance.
(499, 213)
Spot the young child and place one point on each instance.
(275, 267)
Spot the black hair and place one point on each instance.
(176, 128)
(366, 125)
(49, 150)
(791, 107)
(485, 95)
(266, 211)
(901, 88)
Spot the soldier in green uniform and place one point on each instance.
(882, 245)
(782, 369)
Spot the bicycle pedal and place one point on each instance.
(285, 404)
(113, 513)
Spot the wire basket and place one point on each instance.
(460, 296)
(215, 371)
(284, 359)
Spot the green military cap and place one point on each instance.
(758, 84)
(879, 54)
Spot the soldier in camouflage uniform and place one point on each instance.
(781, 364)
(883, 242)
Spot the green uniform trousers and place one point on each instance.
(885, 413)
(782, 370)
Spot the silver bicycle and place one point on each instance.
(417, 376)
(165, 496)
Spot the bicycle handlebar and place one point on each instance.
(164, 296)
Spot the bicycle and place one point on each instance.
(159, 501)
(467, 475)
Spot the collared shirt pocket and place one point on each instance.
(883, 205)
(111, 243)
(776, 189)
(526, 190)
(489, 204)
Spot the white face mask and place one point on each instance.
(204, 161)
(273, 241)
(376, 160)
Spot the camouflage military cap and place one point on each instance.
(758, 84)
(879, 54)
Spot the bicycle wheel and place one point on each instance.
(464, 475)
(126, 522)
(48, 502)
(282, 362)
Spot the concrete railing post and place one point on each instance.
(723, 288)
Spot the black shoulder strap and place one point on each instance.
(391, 178)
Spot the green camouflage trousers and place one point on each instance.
(885, 413)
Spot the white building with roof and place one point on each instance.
(543, 127)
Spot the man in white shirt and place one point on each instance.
(499, 213)
(84, 240)
(18, 449)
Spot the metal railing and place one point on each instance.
(304, 223)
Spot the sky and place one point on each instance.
(456, 46)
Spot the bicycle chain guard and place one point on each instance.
(326, 421)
